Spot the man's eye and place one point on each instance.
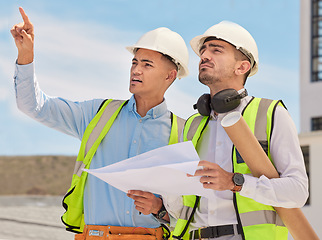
(148, 65)
(134, 63)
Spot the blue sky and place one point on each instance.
(80, 54)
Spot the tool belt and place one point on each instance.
(98, 232)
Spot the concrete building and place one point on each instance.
(311, 105)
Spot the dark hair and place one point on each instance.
(171, 60)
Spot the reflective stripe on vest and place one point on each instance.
(190, 204)
(254, 217)
(194, 127)
(260, 217)
(73, 218)
(103, 118)
(96, 130)
(177, 124)
(192, 131)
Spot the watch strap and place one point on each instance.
(161, 213)
(238, 185)
(236, 188)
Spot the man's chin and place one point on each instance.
(204, 78)
(132, 90)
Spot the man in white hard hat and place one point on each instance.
(111, 131)
(243, 204)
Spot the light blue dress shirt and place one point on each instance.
(129, 136)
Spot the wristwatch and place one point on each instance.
(238, 180)
(161, 213)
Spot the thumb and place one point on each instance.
(26, 36)
(24, 33)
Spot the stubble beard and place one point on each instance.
(207, 79)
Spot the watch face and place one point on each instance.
(162, 214)
(238, 179)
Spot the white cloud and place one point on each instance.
(4, 25)
(3, 93)
(6, 82)
(179, 102)
(71, 40)
(280, 83)
(81, 60)
(275, 82)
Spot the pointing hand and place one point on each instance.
(23, 34)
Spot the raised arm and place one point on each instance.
(58, 113)
(23, 34)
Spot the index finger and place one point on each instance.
(24, 16)
(140, 193)
(136, 192)
(207, 164)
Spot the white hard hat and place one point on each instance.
(235, 35)
(165, 41)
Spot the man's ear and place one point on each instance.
(242, 67)
(172, 75)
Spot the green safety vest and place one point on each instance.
(258, 221)
(96, 130)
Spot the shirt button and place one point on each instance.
(154, 116)
(218, 143)
(127, 212)
(134, 141)
(140, 120)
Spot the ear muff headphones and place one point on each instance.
(222, 102)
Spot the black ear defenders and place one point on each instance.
(222, 102)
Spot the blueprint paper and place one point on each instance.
(161, 171)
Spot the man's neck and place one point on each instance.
(216, 89)
(143, 105)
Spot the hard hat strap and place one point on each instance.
(248, 55)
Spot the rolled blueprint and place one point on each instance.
(259, 164)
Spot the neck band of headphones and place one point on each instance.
(222, 102)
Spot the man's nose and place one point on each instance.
(205, 56)
(136, 70)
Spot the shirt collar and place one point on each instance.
(154, 112)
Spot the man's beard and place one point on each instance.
(207, 79)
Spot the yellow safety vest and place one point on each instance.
(96, 130)
(258, 221)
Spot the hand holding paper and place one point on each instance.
(214, 177)
(145, 202)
